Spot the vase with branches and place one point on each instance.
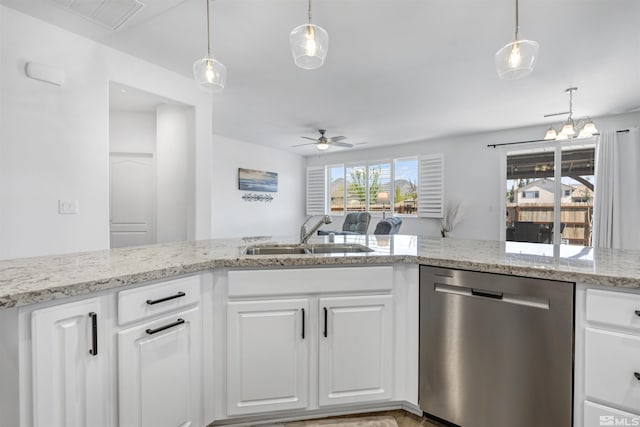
(453, 215)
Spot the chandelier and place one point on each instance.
(571, 129)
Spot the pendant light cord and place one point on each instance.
(517, 21)
(309, 12)
(208, 30)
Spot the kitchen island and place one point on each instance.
(200, 332)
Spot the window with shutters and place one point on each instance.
(384, 186)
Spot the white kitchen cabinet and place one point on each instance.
(160, 372)
(355, 349)
(267, 355)
(70, 363)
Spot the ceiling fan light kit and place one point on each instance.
(323, 142)
(571, 129)
(518, 58)
(309, 44)
(210, 73)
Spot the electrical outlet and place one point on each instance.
(66, 207)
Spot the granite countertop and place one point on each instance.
(29, 280)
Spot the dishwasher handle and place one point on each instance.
(486, 294)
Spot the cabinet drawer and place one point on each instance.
(598, 415)
(612, 365)
(146, 301)
(613, 308)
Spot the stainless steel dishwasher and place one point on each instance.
(495, 350)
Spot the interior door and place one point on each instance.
(132, 199)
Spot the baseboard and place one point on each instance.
(288, 416)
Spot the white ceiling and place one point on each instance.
(397, 70)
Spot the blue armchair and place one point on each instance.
(354, 223)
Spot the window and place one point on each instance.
(336, 189)
(379, 180)
(405, 186)
(542, 210)
(356, 188)
(389, 187)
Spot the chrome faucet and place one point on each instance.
(305, 234)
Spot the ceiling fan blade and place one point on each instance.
(342, 144)
(337, 138)
(361, 143)
(311, 139)
(302, 145)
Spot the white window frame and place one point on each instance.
(366, 165)
(557, 177)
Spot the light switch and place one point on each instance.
(67, 207)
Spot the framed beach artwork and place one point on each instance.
(253, 180)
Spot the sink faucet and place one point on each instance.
(305, 234)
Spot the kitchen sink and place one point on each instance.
(306, 249)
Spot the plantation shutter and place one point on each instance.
(316, 191)
(431, 186)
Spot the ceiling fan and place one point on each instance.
(323, 142)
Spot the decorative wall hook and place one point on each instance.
(253, 197)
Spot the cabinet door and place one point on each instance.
(267, 356)
(356, 349)
(70, 370)
(159, 373)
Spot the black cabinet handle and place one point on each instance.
(162, 328)
(637, 312)
(303, 323)
(637, 375)
(94, 334)
(156, 301)
(325, 322)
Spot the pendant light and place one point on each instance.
(209, 72)
(309, 44)
(518, 58)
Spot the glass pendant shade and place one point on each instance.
(516, 59)
(590, 128)
(309, 45)
(322, 146)
(551, 134)
(210, 74)
(561, 137)
(568, 129)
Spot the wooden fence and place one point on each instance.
(576, 218)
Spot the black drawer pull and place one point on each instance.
(637, 312)
(94, 334)
(325, 322)
(162, 328)
(156, 301)
(637, 375)
(303, 323)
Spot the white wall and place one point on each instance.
(54, 141)
(233, 217)
(132, 131)
(174, 172)
(472, 174)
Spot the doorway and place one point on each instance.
(151, 191)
